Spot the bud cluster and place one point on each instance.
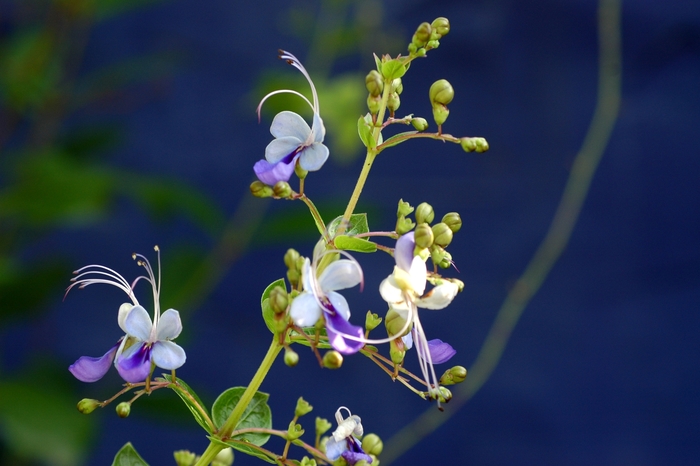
(427, 36)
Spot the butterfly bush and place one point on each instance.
(306, 308)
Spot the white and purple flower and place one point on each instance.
(344, 442)
(146, 344)
(294, 140)
(319, 298)
(404, 291)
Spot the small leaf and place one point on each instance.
(365, 132)
(378, 62)
(396, 139)
(201, 420)
(393, 69)
(351, 243)
(247, 449)
(357, 225)
(267, 312)
(256, 414)
(128, 456)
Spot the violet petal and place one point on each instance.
(440, 351)
(337, 328)
(89, 369)
(134, 364)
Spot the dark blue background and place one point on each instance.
(602, 368)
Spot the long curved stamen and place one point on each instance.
(115, 280)
(294, 61)
(424, 357)
(282, 91)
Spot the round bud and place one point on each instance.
(440, 114)
(123, 409)
(437, 253)
(290, 258)
(291, 358)
(88, 405)
(397, 86)
(332, 359)
(453, 221)
(223, 458)
(454, 375)
(441, 26)
(421, 124)
(444, 395)
(397, 350)
(260, 189)
(374, 83)
(293, 276)
(424, 236)
(372, 444)
(425, 213)
(446, 261)
(412, 49)
(443, 234)
(373, 103)
(184, 458)
(394, 102)
(481, 145)
(422, 35)
(278, 300)
(441, 92)
(282, 189)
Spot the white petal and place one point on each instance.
(124, 310)
(138, 323)
(307, 276)
(168, 355)
(408, 340)
(305, 311)
(313, 157)
(288, 123)
(390, 291)
(318, 131)
(169, 325)
(280, 148)
(339, 304)
(439, 297)
(418, 273)
(340, 275)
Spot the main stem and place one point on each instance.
(234, 418)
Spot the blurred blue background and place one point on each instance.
(127, 124)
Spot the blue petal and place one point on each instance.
(335, 449)
(138, 323)
(271, 173)
(340, 275)
(318, 131)
(168, 355)
(88, 369)
(169, 326)
(313, 157)
(403, 254)
(305, 310)
(290, 124)
(440, 351)
(337, 328)
(280, 149)
(134, 364)
(354, 453)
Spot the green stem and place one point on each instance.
(234, 418)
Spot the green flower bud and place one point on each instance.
(332, 359)
(293, 276)
(260, 189)
(420, 124)
(372, 320)
(446, 261)
(404, 225)
(374, 83)
(412, 49)
(474, 144)
(303, 407)
(420, 53)
(291, 358)
(373, 103)
(278, 300)
(290, 258)
(425, 213)
(481, 145)
(432, 44)
(123, 409)
(294, 431)
(437, 253)
(394, 102)
(372, 444)
(300, 172)
(424, 236)
(306, 461)
(440, 114)
(223, 458)
(453, 221)
(441, 26)
(397, 86)
(184, 458)
(322, 426)
(397, 350)
(88, 405)
(444, 395)
(422, 35)
(443, 234)
(423, 253)
(404, 209)
(394, 323)
(454, 375)
(362, 463)
(282, 189)
(441, 92)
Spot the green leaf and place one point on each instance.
(191, 404)
(393, 69)
(378, 62)
(357, 225)
(242, 447)
(128, 456)
(396, 139)
(256, 414)
(267, 312)
(364, 129)
(352, 243)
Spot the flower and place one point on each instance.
(319, 298)
(344, 442)
(404, 291)
(146, 343)
(294, 140)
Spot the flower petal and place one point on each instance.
(339, 303)
(288, 123)
(313, 157)
(134, 364)
(168, 355)
(335, 449)
(390, 291)
(305, 311)
(278, 150)
(337, 328)
(418, 273)
(403, 253)
(440, 351)
(88, 369)
(439, 297)
(169, 326)
(340, 275)
(408, 340)
(318, 131)
(354, 453)
(271, 173)
(138, 323)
